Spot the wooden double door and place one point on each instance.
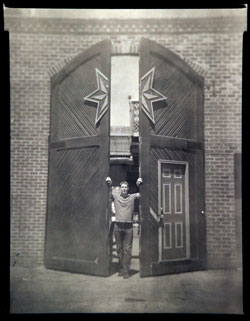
(172, 234)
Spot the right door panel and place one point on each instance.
(171, 163)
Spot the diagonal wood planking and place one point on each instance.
(177, 118)
(77, 117)
(75, 201)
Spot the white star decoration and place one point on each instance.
(100, 95)
(149, 95)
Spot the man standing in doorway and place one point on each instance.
(123, 230)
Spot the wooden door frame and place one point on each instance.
(185, 163)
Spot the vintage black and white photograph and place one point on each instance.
(125, 162)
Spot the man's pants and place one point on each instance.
(124, 237)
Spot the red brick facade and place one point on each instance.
(40, 47)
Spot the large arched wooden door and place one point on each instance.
(171, 160)
(77, 211)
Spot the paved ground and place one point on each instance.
(40, 290)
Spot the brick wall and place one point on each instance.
(40, 47)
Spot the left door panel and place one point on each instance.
(77, 226)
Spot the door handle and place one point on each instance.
(203, 212)
(161, 216)
(161, 223)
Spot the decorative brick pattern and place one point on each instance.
(39, 48)
(132, 26)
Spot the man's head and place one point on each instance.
(124, 188)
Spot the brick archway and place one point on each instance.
(123, 48)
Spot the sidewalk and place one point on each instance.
(39, 290)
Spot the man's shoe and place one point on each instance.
(126, 276)
(120, 273)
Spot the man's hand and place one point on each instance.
(109, 181)
(139, 181)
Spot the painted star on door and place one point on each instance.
(149, 95)
(100, 95)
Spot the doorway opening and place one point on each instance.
(124, 139)
(82, 154)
